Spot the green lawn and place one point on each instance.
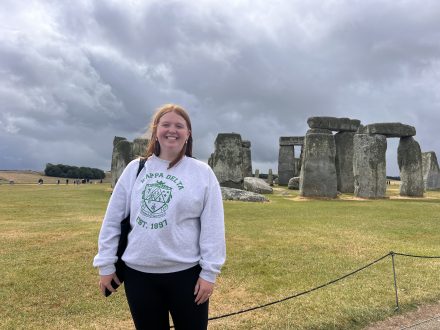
(48, 239)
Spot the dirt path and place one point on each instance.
(412, 320)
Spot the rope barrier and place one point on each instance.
(391, 253)
(414, 256)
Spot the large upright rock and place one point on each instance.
(247, 158)
(227, 160)
(334, 124)
(389, 129)
(286, 164)
(409, 158)
(124, 152)
(344, 161)
(430, 170)
(369, 165)
(318, 171)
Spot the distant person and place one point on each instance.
(58, 181)
(177, 243)
(67, 181)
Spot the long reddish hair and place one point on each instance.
(154, 146)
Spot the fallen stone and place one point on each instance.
(229, 194)
(294, 183)
(334, 124)
(257, 185)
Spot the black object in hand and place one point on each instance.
(114, 285)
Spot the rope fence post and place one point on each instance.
(395, 281)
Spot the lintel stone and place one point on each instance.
(334, 124)
(291, 140)
(390, 130)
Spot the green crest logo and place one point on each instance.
(155, 199)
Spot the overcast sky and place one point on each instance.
(74, 74)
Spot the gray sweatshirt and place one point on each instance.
(176, 217)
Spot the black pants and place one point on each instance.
(152, 296)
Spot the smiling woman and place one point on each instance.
(176, 246)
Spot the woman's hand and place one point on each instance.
(105, 282)
(203, 291)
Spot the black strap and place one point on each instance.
(142, 161)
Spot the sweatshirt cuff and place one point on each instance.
(208, 276)
(107, 270)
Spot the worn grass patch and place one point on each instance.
(275, 250)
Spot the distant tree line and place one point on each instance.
(67, 171)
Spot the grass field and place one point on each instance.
(48, 239)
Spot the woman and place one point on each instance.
(177, 243)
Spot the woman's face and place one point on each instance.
(172, 133)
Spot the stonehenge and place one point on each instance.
(354, 159)
(123, 153)
(337, 155)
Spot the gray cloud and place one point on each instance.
(76, 74)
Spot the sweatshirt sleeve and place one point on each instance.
(118, 208)
(212, 232)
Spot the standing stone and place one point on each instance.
(247, 160)
(297, 166)
(227, 160)
(369, 165)
(344, 161)
(123, 153)
(270, 178)
(318, 171)
(257, 173)
(286, 164)
(431, 170)
(409, 157)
